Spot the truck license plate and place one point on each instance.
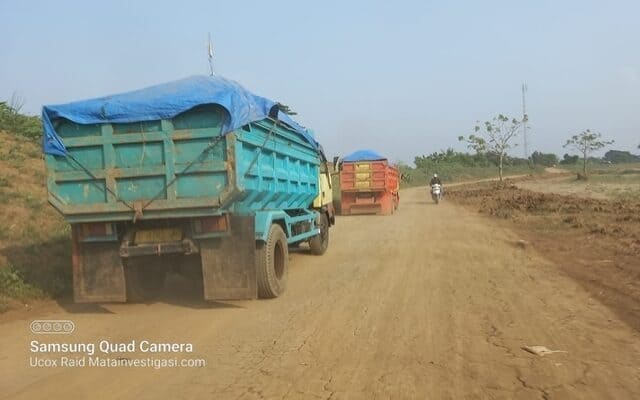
(158, 235)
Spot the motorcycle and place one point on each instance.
(436, 193)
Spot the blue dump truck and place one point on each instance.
(197, 176)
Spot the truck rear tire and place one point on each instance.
(273, 264)
(320, 243)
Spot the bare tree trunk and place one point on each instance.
(584, 163)
(500, 167)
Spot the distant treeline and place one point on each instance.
(539, 158)
(454, 165)
(610, 157)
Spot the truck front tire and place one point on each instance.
(273, 263)
(320, 243)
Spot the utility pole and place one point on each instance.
(524, 120)
(210, 56)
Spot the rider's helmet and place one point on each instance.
(435, 175)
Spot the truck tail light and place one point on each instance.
(210, 224)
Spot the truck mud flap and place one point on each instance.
(228, 264)
(98, 274)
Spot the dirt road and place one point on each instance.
(433, 302)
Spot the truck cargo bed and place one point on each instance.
(368, 187)
(179, 167)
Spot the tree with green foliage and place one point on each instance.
(450, 157)
(620, 157)
(475, 143)
(586, 143)
(569, 160)
(545, 159)
(495, 137)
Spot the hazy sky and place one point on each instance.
(401, 77)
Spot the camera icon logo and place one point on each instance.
(54, 327)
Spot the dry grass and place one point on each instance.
(610, 182)
(34, 239)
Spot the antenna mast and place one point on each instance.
(524, 120)
(210, 56)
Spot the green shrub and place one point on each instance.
(11, 120)
(13, 285)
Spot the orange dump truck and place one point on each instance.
(368, 184)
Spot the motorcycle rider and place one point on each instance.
(435, 180)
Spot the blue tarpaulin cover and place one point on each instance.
(165, 101)
(364, 155)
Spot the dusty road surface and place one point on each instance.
(434, 302)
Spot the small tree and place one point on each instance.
(586, 143)
(495, 137)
